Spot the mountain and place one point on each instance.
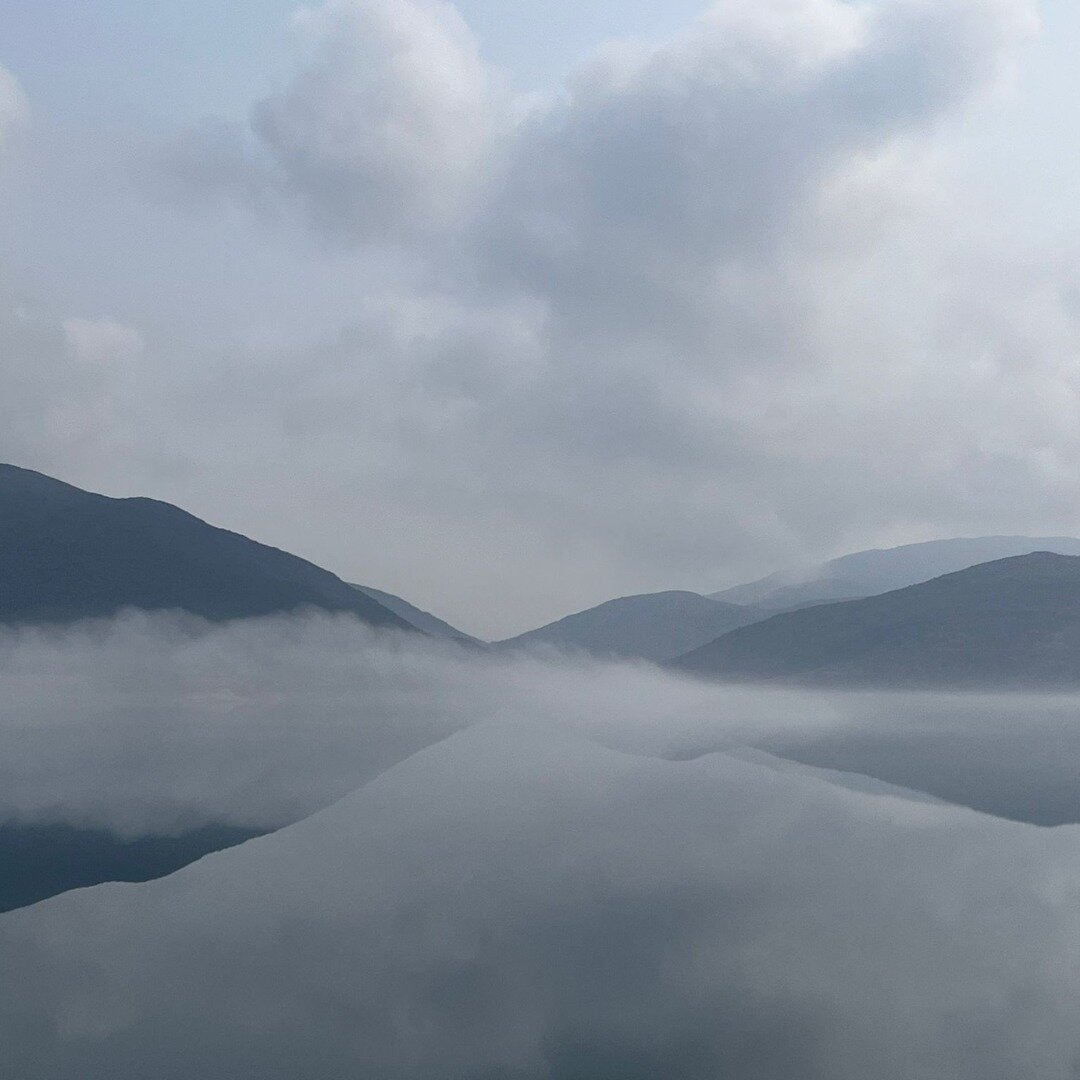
(68, 554)
(656, 626)
(422, 620)
(1009, 623)
(868, 573)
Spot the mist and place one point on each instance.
(529, 865)
(546, 867)
(156, 723)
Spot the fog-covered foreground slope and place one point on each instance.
(1013, 623)
(68, 554)
(520, 902)
(657, 626)
(867, 573)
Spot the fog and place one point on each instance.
(530, 865)
(158, 723)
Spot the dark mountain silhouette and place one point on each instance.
(656, 626)
(422, 620)
(868, 573)
(67, 554)
(1010, 623)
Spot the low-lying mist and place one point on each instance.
(161, 724)
(536, 868)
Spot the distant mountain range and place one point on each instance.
(994, 612)
(655, 626)
(868, 573)
(67, 554)
(983, 620)
(1009, 623)
(667, 625)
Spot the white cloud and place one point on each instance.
(381, 134)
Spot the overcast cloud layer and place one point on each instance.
(716, 304)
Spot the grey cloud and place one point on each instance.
(51, 397)
(710, 150)
(517, 901)
(658, 236)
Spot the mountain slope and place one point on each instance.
(868, 573)
(656, 626)
(422, 620)
(1012, 622)
(67, 554)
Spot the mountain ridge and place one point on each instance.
(67, 554)
(647, 626)
(878, 570)
(1012, 622)
(418, 617)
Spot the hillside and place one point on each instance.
(422, 620)
(655, 626)
(68, 554)
(1009, 623)
(868, 573)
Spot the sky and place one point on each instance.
(510, 313)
